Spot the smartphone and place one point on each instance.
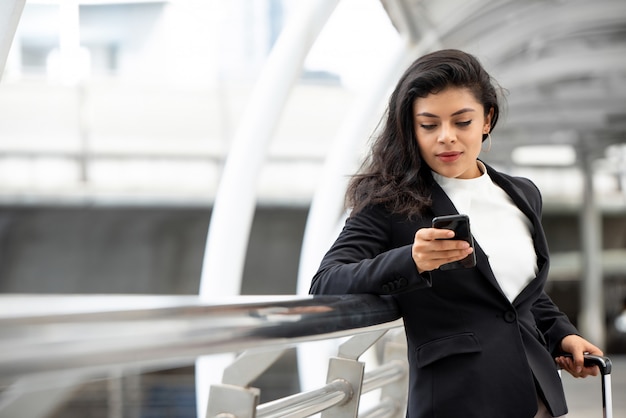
(461, 226)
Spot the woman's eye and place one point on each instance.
(464, 123)
(428, 127)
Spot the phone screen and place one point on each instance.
(461, 227)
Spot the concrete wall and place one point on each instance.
(159, 250)
(155, 250)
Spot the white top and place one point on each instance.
(498, 226)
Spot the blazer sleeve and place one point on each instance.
(363, 259)
(552, 323)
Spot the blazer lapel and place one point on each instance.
(518, 196)
(521, 201)
(541, 247)
(441, 203)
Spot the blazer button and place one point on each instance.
(509, 316)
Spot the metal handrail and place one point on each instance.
(43, 335)
(52, 338)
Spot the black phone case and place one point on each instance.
(461, 227)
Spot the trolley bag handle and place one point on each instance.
(604, 364)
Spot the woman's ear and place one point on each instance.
(487, 127)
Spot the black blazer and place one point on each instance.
(472, 353)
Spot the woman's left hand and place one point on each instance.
(577, 347)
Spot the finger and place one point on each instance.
(433, 239)
(453, 256)
(595, 351)
(567, 364)
(573, 369)
(564, 363)
(431, 234)
(431, 259)
(452, 247)
(590, 371)
(442, 254)
(579, 361)
(449, 256)
(438, 248)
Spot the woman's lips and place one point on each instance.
(449, 157)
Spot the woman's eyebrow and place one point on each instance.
(458, 112)
(464, 110)
(428, 115)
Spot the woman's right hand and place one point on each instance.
(433, 247)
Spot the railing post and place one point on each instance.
(351, 371)
(229, 401)
(234, 398)
(348, 368)
(396, 392)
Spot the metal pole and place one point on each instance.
(591, 318)
(307, 403)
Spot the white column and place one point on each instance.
(236, 196)
(591, 317)
(10, 12)
(327, 203)
(235, 200)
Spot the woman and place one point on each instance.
(482, 341)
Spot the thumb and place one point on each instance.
(579, 360)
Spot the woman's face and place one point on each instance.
(449, 127)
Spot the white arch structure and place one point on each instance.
(10, 13)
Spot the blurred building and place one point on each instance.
(117, 117)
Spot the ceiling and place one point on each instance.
(562, 63)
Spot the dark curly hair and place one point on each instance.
(393, 172)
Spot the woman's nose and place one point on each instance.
(446, 135)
